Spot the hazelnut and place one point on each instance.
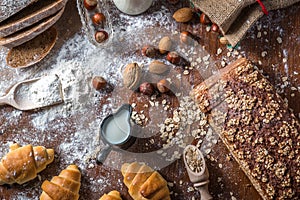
(165, 45)
(186, 37)
(204, 19)
(163, 86)
(101, 36)
(149, 51)
(214, 28)
(98, 82)
(98, 18)
(173, 57)
(146, 88)
(90, 4)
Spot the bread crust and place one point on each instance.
(28, 34)
(15, 24)
(256, 126)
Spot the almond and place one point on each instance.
(183, 15)
(158, 67)
(165, 45)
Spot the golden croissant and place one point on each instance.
(22, 164)
(144, 183)
(112, 195)
(65, 186)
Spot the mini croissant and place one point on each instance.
(112, 195)
(65, 186)
(22, 164)
(144, 183)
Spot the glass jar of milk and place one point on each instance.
(133, 7)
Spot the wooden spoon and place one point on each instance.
(201, 178)
(34, 93)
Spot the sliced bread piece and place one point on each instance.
(30, 15)
(11, 7)
(32, 51)
(27, 34)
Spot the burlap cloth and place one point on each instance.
(235, 17)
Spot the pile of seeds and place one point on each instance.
(194, 159)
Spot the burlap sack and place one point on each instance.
(235, 17)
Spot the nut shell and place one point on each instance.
(214, 27)
(132, 75)
(158, 67)
(98, 82)
(173, 57)
(90, 4)
(186, 37)
(183, 15)
(204, 19)
(165, 45)
(163, 86)
(146, 88)
(98, 18)
(101, 36)
(149, 51)
(223, 40)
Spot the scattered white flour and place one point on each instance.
(10, 7)
(45, 91)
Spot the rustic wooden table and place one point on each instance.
(276, 52)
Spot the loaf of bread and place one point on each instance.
(32, 51)
(257, 127)
(30, 15)
(30, 32)
(144, 183)
(22, 164)
(112, 195)
(65, 186)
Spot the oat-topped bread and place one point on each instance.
(11, 7)
(30, 15)
(257, 127)
(32, 51)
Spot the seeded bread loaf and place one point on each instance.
(30, 15)
(11, 7)
(30, 32)
(257, 127)
(32, 51)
